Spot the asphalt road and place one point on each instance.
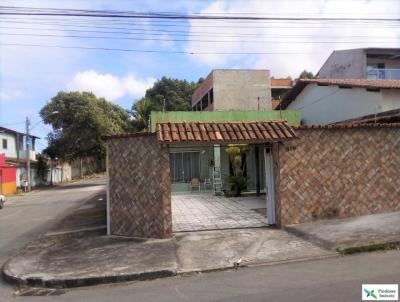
(23, 218)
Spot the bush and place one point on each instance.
(238, 184)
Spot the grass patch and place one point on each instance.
(369, 248)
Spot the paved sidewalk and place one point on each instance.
(80, 260)
(349, 233)
(196, 212)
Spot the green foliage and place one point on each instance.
(237, 181)
(79, 120)
(42, 168)
(238, 184)
(175, 94)
(306, 75)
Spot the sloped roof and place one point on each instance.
(224, 132)
(362, 83)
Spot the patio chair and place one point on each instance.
(207, 182)
(194, 183)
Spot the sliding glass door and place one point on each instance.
(184, 166)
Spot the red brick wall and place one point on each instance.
(339, 173)
(139, 187)
(203, 88)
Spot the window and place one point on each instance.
(4, 143)
(184, 166)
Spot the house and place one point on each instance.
(205, 160)
(327, 101)
(13, 145)
(306, 172)
(225, 96)
(362, 63)
(234, 90)
(7, 177)
(354, 85)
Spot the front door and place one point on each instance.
(269, 185)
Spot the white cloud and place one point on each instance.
(9, 95)
(109, 86)
(301, 35)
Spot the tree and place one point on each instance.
(166, 94)
(42, 168)
(79, 120)
(306, 75)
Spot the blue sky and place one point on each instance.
(31, 76)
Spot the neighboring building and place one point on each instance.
(327, 101)
(362, 63)
(279, 87)
(13, 145)
(7, 177)
(234, 89)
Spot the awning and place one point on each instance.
(224, 132)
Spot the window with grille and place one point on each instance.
(184, 166)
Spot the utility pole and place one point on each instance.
(28, 160)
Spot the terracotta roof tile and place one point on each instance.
(265, 131)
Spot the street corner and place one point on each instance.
(73, 261)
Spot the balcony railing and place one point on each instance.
(383, 74)
(23, 154)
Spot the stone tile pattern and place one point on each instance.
(140, 189)
(339, 173)
(199, 212)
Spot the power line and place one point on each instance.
(188, 34)
(258, 41)
(157, 51)
(136, 25)
(30, 11)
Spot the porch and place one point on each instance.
(205, 211)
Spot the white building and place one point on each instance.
(327, 101)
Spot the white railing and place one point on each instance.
(383, 74)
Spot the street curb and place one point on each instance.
(85, 281)
(89, 281)
(345, 250)
(374, 246)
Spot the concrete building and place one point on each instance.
(13, 145)
(234, 89)
(327, 101)
(362, 63)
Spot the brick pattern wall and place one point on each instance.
(139, 187)
(339, 173)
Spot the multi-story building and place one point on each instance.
(354, 85)
(362, 63)
(233, 90)
(13, 145)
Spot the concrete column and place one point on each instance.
(217, 156)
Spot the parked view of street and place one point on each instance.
(24, 218)
(199, 150)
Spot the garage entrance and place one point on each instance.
(206, 211)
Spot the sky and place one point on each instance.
(30, 76)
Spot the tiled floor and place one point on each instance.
(196, 212)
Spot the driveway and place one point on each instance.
(205, 211)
